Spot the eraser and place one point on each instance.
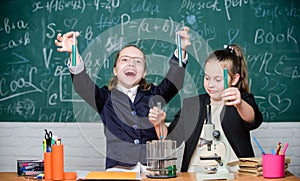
(70, 176)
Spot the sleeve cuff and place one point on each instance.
(183, 60)
(76, 69)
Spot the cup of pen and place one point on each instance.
(273, 165)
(54, 163)
(47, 166)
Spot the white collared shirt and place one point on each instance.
(130, 92)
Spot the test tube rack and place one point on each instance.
(161, 158)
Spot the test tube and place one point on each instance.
(179, 50)
(161, 131)
(74, 50)
(225, 72)
(174, 155)
(148, 154)
(168, 152)
(155, 154)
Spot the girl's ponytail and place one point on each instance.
(243, 83)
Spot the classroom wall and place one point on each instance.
(85, 143)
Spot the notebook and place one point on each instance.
(102, 175)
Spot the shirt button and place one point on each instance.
(135, 127)
(136, 141)
(133, 113)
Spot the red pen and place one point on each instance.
(284, 148)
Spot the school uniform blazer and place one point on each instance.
(127, 128)
(188, 122)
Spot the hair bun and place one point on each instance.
(230, 49)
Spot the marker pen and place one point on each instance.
(278, 148)
(284, 148)
(259, 146)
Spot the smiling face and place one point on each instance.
(130, 67)
(214, 80)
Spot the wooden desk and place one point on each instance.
(192, 177)
(12, 176)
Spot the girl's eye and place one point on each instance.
(138, 61)
(124, 59)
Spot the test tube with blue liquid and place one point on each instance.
(74, 50)
(179, 50)
(225, 71)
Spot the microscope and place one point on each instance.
(211, 138)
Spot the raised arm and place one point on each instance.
(64, 43)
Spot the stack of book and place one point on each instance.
(253, 166)
(250, 166)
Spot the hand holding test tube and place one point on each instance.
(156, 117)
(183, 41)
(67, 43)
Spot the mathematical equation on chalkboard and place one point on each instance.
(35, 83)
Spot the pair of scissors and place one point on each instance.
(48, 138)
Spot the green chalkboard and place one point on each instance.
(35, 84)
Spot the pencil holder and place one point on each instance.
(57, 162)
(273, 165)
(47, 166)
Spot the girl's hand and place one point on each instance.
(232, 96)
(65, 42)
(156, 116)
(185, 37)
